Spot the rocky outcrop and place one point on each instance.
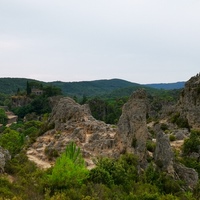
(163, 154)
(132, 128)
(164, 160)
(188, 175)
(189, 103)
(74, 122)
(4, 157)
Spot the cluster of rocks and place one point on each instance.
(74, 122)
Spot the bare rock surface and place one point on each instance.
(132, 127)
(4, 157)
(163, 154)
(188, 175)
(74, 122)
(164, 159)
(189, 103)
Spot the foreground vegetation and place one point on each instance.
(70, 179)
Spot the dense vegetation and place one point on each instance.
(117, 179)
(69, 179)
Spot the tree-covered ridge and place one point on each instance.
(92, 88)
(12, 85)
(167, 86)
(87, 88)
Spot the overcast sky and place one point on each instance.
(142, 41)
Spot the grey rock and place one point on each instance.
(189, 102)
(132, 126)
(188, 175)
(4, 157)
(163, 154)
(181, 134)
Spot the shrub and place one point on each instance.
(181, 122)
(172, 137)
(69, 170)
(51, 153)
(164, 127)
(192, 144)
(151, 146)
(12, 141)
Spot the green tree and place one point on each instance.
(28, 88)
(69, 170)
(192, 144)
(12, 141)
(3, 117)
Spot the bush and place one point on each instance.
(69, 170)
(12, 141)
(180, 121)
(151, 146)
(192, 144)
(164, 127)
(119, 172)
(172, 137)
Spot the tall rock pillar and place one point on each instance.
(132, 126)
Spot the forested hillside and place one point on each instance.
(167, 86)
(113, 87)
(12, 85)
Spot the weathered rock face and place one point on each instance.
(4, 156)
(189, 103)
(164, 159)
(74, 122)
(188, 175)
(132, 125)
(163, 154)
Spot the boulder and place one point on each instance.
(188, 175)
(163, 154)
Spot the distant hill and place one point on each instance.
(11, 85)
(93, 88)
(112, 87)
(167, 86)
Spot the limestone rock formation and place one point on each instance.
(164, 159)
(4, 156)
(132, 126)
(163, 154)
(189, 103)
(74, 122)
(188, 175)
